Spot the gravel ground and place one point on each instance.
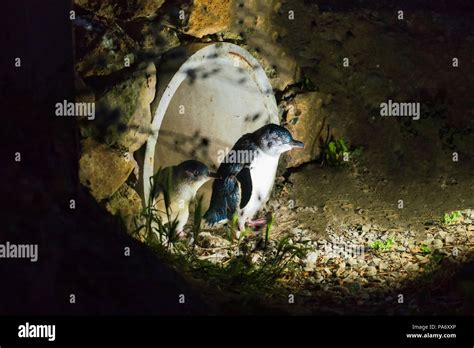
(364, 268)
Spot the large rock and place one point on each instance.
(152, 37)
(307, 121)
(263, 29)
(127, 204)
(139, 122)
(102, 169)
(121, 9)
(123, 114)
(209, 17)
(101, 47)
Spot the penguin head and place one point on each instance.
(275, 139)
(193, 174)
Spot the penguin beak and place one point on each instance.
(214, 175)
(297, 143)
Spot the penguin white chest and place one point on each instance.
(262, 172)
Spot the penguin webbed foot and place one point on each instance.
(257, 223)
(181, 235)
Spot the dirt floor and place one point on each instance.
(363, 193)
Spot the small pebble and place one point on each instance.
(437, 244)
(412, 267)
(371, 271)
(310, 261)
(449, 239)
(442, 234)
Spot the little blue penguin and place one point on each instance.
(246, 175)
(181, 183)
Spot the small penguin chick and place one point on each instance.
(175, 187)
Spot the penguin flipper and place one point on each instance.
(228, 191)
(224, 201)
(245, 186)
(163, 181)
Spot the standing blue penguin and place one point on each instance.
(175, 187)
(246, 175)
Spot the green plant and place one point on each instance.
(337, 153)
(231, 228)
(357, 152)
(435, 260)
(451, 218)
(382, 245)
(149, 222)
(437, 256)
(197, 220)
(268, 229)
(308, 84)
(425, 249)
(246, 232)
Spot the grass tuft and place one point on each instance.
(382, 245)
(336, 152)
(452, 218)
